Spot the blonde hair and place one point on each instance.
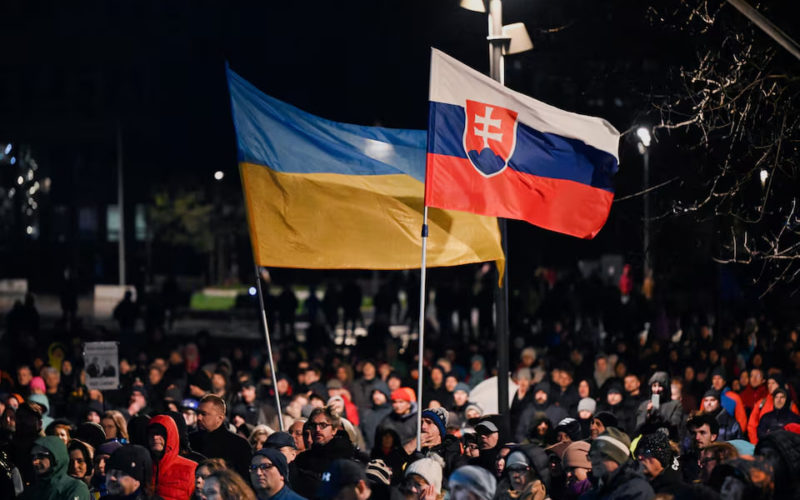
(119, 423)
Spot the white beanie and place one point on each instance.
(587, 404)
(428, 469)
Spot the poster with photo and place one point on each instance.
(101, 360)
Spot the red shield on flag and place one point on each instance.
(490, 135)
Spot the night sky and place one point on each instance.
(72, 73)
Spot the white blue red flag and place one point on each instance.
(493, 151)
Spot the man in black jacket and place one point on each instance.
(329, 442)
(213, 440)
(615, 474)
(660, 465)
(435, 439)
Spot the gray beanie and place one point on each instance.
(428, 469)
(587, 404)
(614, 444)
(476, 480)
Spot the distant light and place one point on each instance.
(8, 148)
(30, 175)
(219, 174)
(763, 176)
(644, 135)
(11, 192)
(13, 160)
(29, 230)
(20, 180)
(252, 290)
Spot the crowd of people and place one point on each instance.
(701, 411)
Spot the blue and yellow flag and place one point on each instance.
(328, 195)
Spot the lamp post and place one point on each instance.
(510, 39)
(645, 140)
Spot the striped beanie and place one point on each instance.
(613, 444)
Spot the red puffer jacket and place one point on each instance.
(173, 475)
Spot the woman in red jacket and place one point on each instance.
(173, 474)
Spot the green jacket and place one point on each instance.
(56, 484)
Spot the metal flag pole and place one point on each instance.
(423, 275)
(269, 345)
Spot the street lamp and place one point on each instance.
(503, 40)
(643, 134)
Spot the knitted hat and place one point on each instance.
(37, 383)
(277, 458)
(614, 388)
(542, 386)
(474, 406)
(524, 374)
(608, 419)
(379, 472)
(109, 447)
(189, 404)
(711, 393)
(577, 455)
(132, 460)
(339, 474)
(655, 445)
(778, 378)
(516, 459)
(461, 386)
(439, 417)
(571, 427)
(404, 394)
(334, 383)
(428, 469)
(477, 480)
(719, 371)
(587, 404)
(613, 444)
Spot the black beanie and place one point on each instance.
(655, 445)
(133, 460)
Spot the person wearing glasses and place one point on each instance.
(50, 461)
(329, 442)
(268, 474)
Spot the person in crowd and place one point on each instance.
(343, 479)
(755, 390)
(586, 410)
(703, 430)
(541, 403)
(129, 474)
(423, 479)
(712, 455)
(488, 444)
(766, 405)
(81, 461)
(50, 462)
(780, 416)
(436, 440)
(728, 426)
(527, 469)
(284, 443)
(577, 469)
(202, 471)
(661, 403)
(616, 475)
(364, 386)
(471, 482)
(188, 409)
(660, 465)
(173, 474)
(729, 400)
(403, 418)
(601, 422)
(214, 440)
(379, 407)
(259, 436)
(329, 443)
(269, 473)
(226, 484)
(101, 456)
(115, 426)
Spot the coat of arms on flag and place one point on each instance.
(490, 136)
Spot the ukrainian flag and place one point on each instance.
(328, 195)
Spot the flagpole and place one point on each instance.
(269, 346)
(423, 275)
(497, 42)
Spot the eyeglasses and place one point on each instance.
(320, 425)
(262, 466)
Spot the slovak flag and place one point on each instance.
(496, 152)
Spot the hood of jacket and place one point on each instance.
(58, 450)
(172, 445)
